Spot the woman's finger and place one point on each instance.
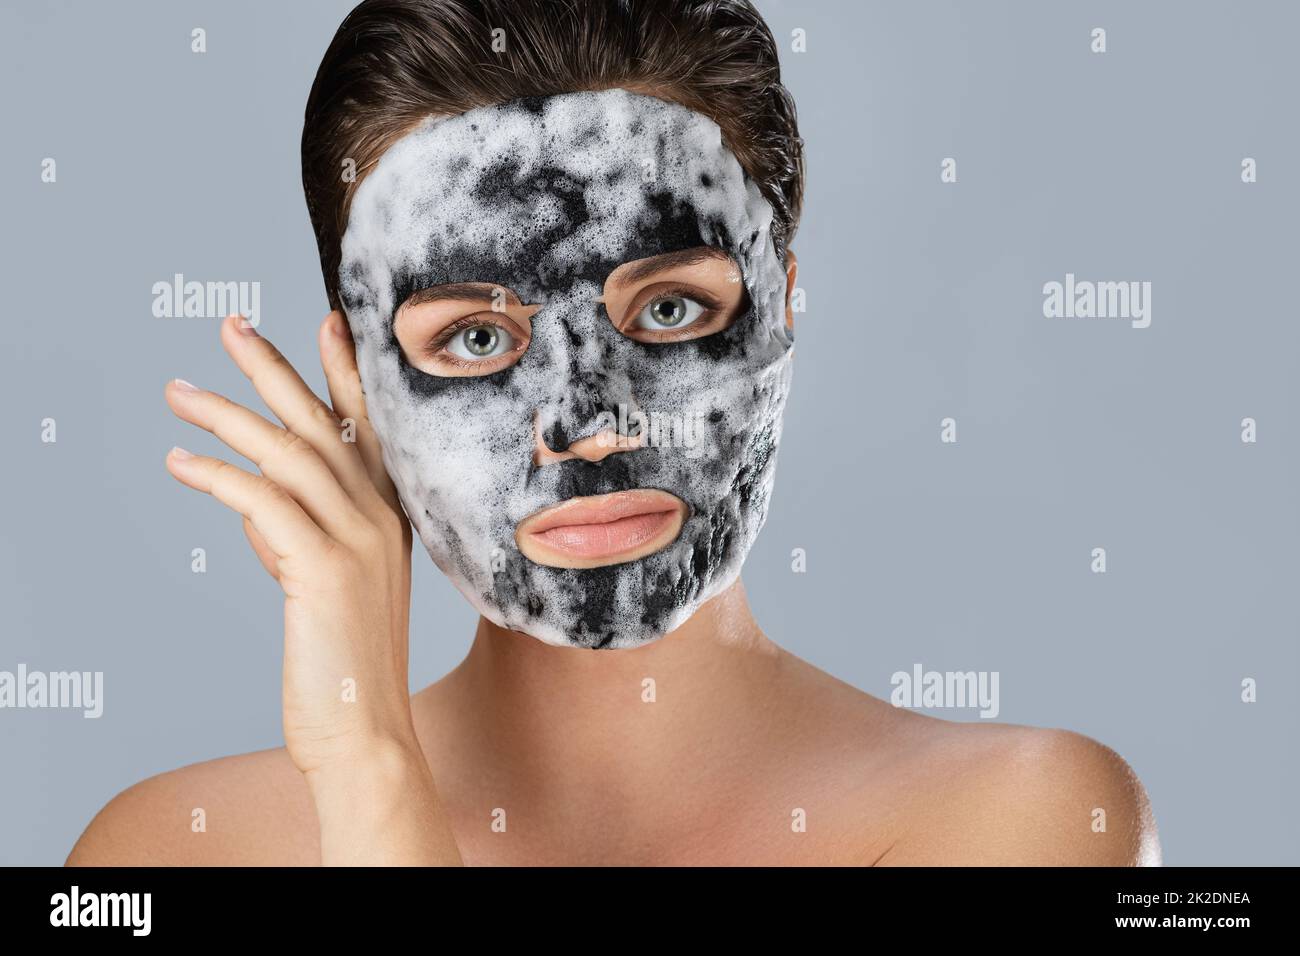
(282, 456)
(285, 527)
(289, 398)
(338, 357)
(262, 550)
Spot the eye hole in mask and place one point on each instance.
(464, 328)
(447, 331)
(688, 294)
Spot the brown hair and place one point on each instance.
(393, 62)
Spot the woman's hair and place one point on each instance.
(394, 62)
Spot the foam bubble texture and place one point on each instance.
(547, 197)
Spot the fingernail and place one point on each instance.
(180, 454)
(338, 326)
(184, 385)
(245, 325)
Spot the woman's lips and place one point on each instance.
(601, 530)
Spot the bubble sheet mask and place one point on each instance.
(546, 197)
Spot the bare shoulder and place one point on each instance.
(252, 809)
(920, 791)
(1007, 795)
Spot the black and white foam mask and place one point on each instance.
(540, 201)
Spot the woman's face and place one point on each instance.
(569, 317)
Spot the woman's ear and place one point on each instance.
(791, 273)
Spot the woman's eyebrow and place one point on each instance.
(463, 291)
(645, 268)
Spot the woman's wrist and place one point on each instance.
(380, 808)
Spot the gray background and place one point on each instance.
(924, 302)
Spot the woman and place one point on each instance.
(560, 343)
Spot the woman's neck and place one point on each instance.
(566, 720)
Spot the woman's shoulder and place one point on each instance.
(250, 809)
(1008, 794)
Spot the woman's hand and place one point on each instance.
(325, 521)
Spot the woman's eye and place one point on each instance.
(669, 312)
(480, 342)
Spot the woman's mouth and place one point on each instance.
(600, 530)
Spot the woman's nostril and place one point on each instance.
(556, 437)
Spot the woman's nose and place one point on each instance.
(588, 410)
(593, 448)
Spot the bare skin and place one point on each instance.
(741, 734)
(745, 755)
